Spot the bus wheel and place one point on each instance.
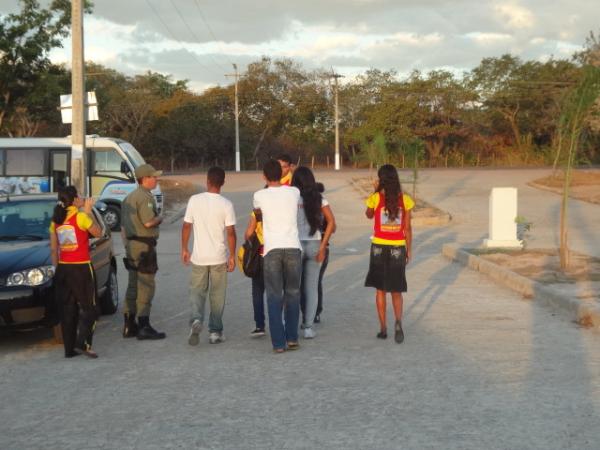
(112, 217)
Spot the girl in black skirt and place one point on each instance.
(390, 245)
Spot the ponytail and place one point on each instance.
(66, 197)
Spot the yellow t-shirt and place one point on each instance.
(259, 229)
(287, 180)
(84, 221)
(372, 202)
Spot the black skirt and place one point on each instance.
(387, 268)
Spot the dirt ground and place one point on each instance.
(581, 281)
(585, 185)
(177, 193)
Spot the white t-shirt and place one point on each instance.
(304, 226)
(279, 206)
(209, 214)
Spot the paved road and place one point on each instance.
(481, 368)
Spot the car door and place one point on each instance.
(101, 252)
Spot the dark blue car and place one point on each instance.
(26, 271)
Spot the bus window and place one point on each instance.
(29, 162)
(133, 154)
(107, 162)
(106, 169)
(59, 170)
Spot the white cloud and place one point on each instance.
(351, 35)
(488, 38)
(514, 15)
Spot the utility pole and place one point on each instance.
(335, 77)
(237, 119)
(78, 156)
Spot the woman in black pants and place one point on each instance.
(74, 282)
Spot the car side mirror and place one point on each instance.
(101, 206)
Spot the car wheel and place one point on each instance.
(109, 302)
(112, 217)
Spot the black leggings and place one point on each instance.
(75, 289)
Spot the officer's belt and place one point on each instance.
(146, 240)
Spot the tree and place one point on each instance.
(577, 108)
(26, 38)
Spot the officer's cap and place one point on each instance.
(146, 170)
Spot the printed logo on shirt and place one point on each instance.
(390, 226)
(67, 240)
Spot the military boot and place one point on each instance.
(130, 327)
(146, 331)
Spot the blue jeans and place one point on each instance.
(282, 272)
(208, 281)
(310, 280)
(258, 302)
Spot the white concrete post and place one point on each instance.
(503, 212)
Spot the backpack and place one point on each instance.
(249, 259)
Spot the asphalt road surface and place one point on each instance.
(481, 367)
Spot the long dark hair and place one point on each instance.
(304, 180)
(66, 197)
(390, 183)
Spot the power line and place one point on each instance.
(174, 38)
(208, 27)
(192, 32)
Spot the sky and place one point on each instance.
(199, 40)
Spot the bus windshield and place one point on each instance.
(134, 156)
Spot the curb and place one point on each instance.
(584, 314)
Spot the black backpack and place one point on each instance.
(249, 257)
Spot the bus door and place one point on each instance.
(59, 169)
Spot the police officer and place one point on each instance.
(140, 222)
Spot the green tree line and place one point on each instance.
(505, 111)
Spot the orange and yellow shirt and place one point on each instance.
(72, 237)
(386, 231)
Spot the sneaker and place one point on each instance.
(317, 318)
(309, 333)
(399, 334)
(215, 338)
(257, 332)
(195, 330)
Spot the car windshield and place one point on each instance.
(25, 219)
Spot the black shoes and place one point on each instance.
(146, 332)
(398, 333)
(258, 332)
(130, 327)
(317, 318)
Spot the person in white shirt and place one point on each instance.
(282, 263)
(210, 216)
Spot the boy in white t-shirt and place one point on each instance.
(282, 263)
(210, 216)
